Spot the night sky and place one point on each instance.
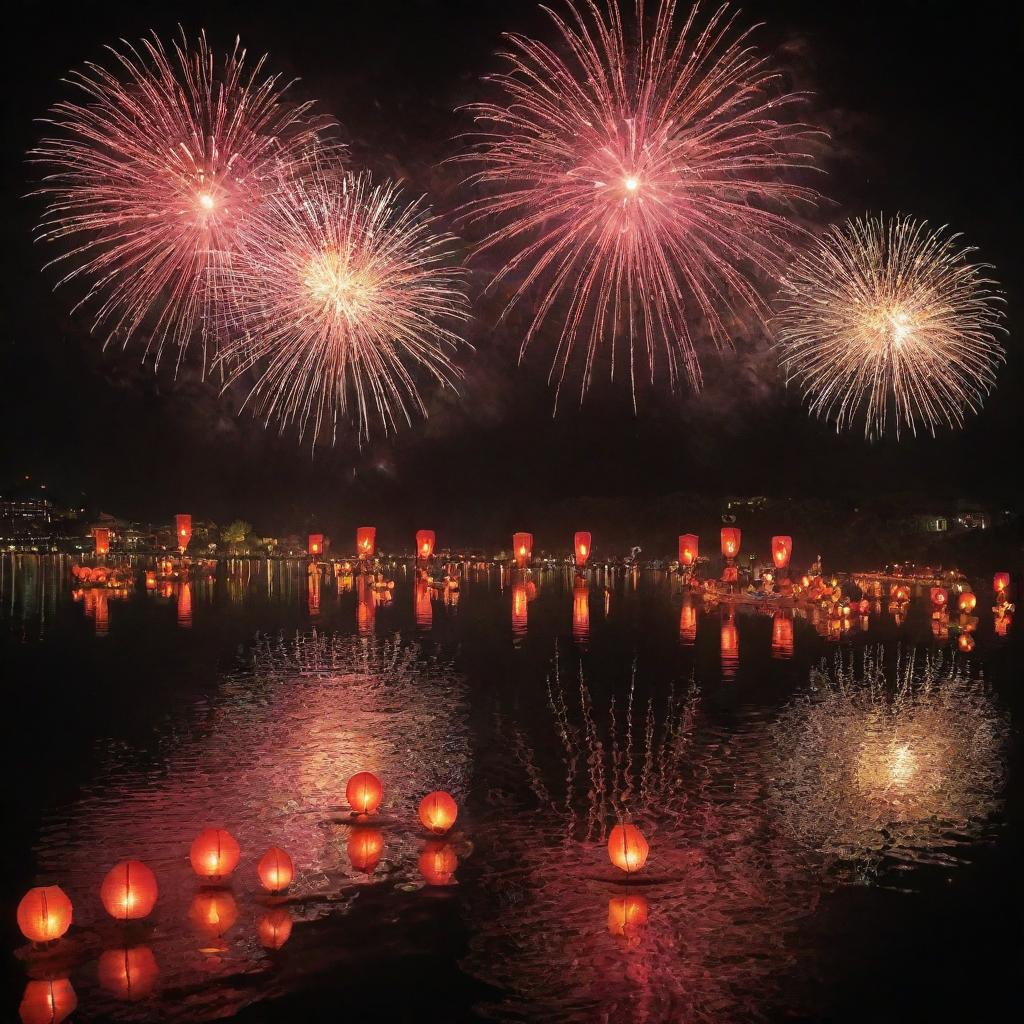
(921, 101)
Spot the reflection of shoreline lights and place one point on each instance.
(364, 848)
(782, 635)
(520, 613)
(867, 769)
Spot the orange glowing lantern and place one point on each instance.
(101, 537)
(183, 530)
(688, 548)
(423, 606)
(782, 636)
(151, 579)
(782, 549)
(626, 915)
(627, 848)
(581, 611)
(213, 912)
(730, 541)
(366, 541)
(939, 596)
(687, 624)
(315, 544)
(44, 913)
(130, 973)
(438, 811)
(581, 542)
(438, 862)
(1001, 582)
(214, 854)
(520, 613)
(522, 548)
(275, 870)
(967, 602)
(965, 642)
(424, 544)
(365, 847)
(364, 792)
(275, 928)
(129, 891)
(47, 1002)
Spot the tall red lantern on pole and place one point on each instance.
(688, 548)
(315, 545)
(1001, 583)
(581, 542)
(522, 548)
(183, 530)
(782, 550)
(424, 544)
(101, 537)
(366, 541)
(730, 542)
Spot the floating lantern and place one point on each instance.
(939, 596)
(129, 891)
(520, 614)
(626, 915)
(438, 862)
(47, 1002)
(627, 848)
(366, 541)
(730, 541)
(1001, 582)
(424, 544)
(967, 602)
(365, 847)
(581, 611)
(364, 793)
(581, 542)
(213, 912)
(423, 606)
(275, 928)
(101, 537)
(315, 545)
(782, 636)
(688, 548)
(522, 548)
(183, 530)
(128, 973)
(44, 913)
(275, 870)
(438, 811)
(687, 624)
(782, 549)
(214, 854)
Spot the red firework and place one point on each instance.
(151, 176)
(643, 176)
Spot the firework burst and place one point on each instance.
(887, 321)
(339, 292)
(151, 176)
(642, 176)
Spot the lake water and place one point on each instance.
(837, 845)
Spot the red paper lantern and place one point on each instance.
(315, 544)
(213, 912)
(275, 928)
(183, 530)
(730, 541)
(581, 542)
(627, 848)
(782, 548)
(47, 1002)
(939, 597)
(688, 549)
(44, 913)
(275, 870)
(438, 811)
(128, 973)
(1001, 582)
(424, 544)
(129, 891)
(782, 635)
(366, 541)
(581, 611)
(438, 862)
(364, 792)
(687, 624)
(365, 847)
(214, 854)
(101, 536)
(967, 602)
(626, 915)
(522, 548)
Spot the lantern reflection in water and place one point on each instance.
(313, 594)
(581, 611)
(782, 635)
(730, 644)
(213, 912)
(687, 623)
(184, 607)
(128, 973)
(438, 862)
(424, 607)
(627, 915)
(522, 548)
(275, 928)
(366, 608)
(47, 1002)
(365, 847)
(519, 609)
(581, 546)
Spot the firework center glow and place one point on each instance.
(332, 285)
(631, 184)
(206, 201)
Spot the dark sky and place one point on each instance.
(923, 104)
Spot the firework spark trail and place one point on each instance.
(644, 180)
(339, 292)
(152, 175)
(887, 320)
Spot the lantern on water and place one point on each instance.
(364, 792)
(581, 611)
(687, 624)
(424, 544)
(214, 854)
(522, 548)
(129, 891)
(365, 847)
(47, 1002)
(183, 530)
(520, 613)
(581, 542)
(967, 602)
(366, 541)
(1001, 582)
(627, 848)
(782, 636)
(275, 928)
(213, 912)
(44, 913)
(782, 549)
(626, 915)
(275, 870)
(438, 811)
(438, 862)
(101, 537)
(128, 973)
(939, 597)
(688, 548)
(730, 541)
(315, 545)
